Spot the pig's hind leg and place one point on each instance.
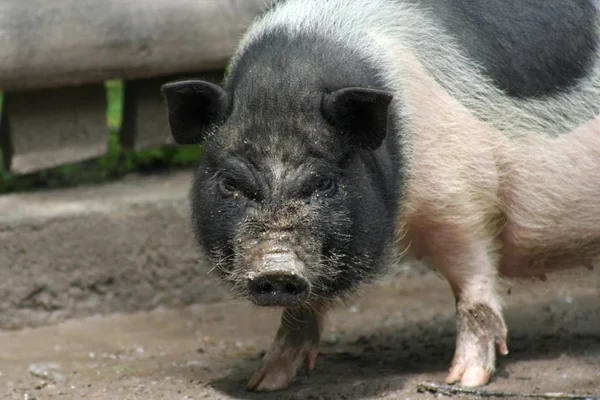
(468, 265)
(296, 342)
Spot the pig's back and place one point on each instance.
(539, 75)
(530, 48)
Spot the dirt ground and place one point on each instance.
(380, 346)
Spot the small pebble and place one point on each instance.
(48, 371)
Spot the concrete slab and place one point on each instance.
(124, 246)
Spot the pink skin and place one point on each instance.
(480, 204)
(552, 202)
(453, 211)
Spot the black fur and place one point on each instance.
(530, 48)
(360, 113)
(287, 162)
(194, 108)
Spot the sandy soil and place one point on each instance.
(380, 346)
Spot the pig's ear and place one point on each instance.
(194, 107)
(359, 112)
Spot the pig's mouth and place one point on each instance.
(278, 281)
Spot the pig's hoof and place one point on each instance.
(471, 376)
(267, 379)
(279, 368)
(481, 333)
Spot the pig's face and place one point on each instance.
(283, 203)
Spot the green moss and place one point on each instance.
(114, 164)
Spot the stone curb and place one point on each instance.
(120, 247)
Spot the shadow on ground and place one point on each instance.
(380, 345)
(381, 361)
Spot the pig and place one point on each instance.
(349, 133)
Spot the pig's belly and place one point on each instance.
(527, 262)
(551, 193)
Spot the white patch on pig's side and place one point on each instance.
(471, 185)
(452, 204)
(551, 190)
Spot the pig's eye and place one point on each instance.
(228, 187)
(326, 186)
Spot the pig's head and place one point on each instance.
(291, 202)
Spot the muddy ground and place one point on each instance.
(397, 334)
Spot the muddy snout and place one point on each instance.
(279, 282)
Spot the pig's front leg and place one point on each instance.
(296, 342)
(467, 265)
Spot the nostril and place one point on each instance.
(264, 288)
(290, 288)
(260, 287)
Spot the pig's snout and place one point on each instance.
(277, 289)
(280, 283)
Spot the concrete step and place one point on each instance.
(120, 247)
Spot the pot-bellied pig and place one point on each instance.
(351, 131)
